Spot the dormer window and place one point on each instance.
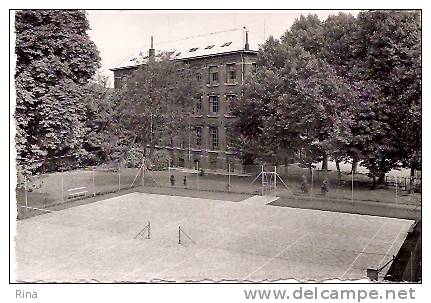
(193, 49)
(210, 46)
(226, 44)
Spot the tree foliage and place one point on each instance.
(156, 104)
(54, 59)
(346, 86)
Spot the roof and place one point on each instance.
(198, 46)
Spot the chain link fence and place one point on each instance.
(290, 181)
(38, 194)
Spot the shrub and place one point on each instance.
(134, 158)
(159, 159)
(201, 172)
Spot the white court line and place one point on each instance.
(362, 251)
(393, 242)
(277, 255)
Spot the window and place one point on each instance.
(226, 44)
(231, 73)
(193, 49)
(198, 104)
(253, 67)
(214, 138)
(214, 104)
(198, 136)
(209, 46)
(213, 74)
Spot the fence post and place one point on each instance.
(396, 189)
(197, 174)
(143, 171)
(62, 186)
(119, 178)
(275, 180)
(25, 193)
(352, 183)
(228, 186)
(94, 183)
(262, 176)
(311, 187)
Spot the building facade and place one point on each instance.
(220, 73)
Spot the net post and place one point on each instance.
(262, 174)
(179, 234)
(149, 230)
(275, 179)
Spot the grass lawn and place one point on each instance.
(49, 190)
(243, 184)
(53, 189)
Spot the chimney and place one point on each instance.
(247, 46)
(151, 52)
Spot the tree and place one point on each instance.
(289, 107)
(55, 58)
(101, 103)
(348, 87)
(156, 104)
(388, 45)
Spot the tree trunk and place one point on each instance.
(412, 177)
(337, 164)
(325, 161)
(373, 186)
(381, 179)
(354, 166)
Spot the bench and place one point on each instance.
(76, 192)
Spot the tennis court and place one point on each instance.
(220, 241)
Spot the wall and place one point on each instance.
(204, 154)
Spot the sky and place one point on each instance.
(119, 34)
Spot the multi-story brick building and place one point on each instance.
(221, 61)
